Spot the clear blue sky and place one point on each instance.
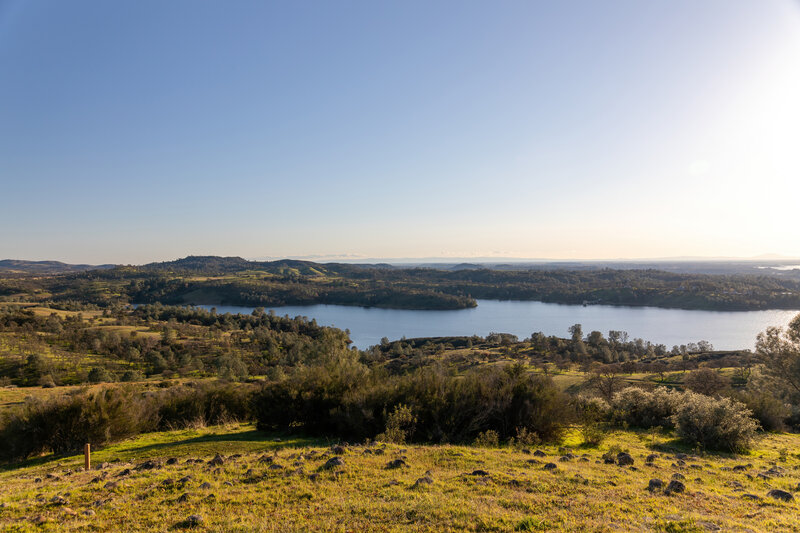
(149, 130)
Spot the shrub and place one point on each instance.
(714, 424)
(770, 411)
(645, 409)
(706, 381)
(132, 375)
(399, 425)
(487, 439)
(66, 423)
(100, 375)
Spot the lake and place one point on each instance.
(725, 330)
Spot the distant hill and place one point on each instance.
(17, 266)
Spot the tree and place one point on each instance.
(576, 331)
(779, 351)
(607, 381)
(706, 381)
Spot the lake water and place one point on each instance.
(725, 330)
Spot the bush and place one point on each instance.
(645, 409)
(345, 399)
(706, 381)
(100, 375)
(65, 424)
(770, 411)
(399, 425)
(487, 439)
(714, 424)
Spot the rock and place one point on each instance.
(313, 477)
(52, 476)
(479, 473)
(580, 479)
(565, 458)
(624, 459)
(675, 486)
(780, 495)
(655, 485)
(551, 466)
(217, 461)
(678, 476)
(650, 459)
(58, 500)
(111, 485)
(275, 466)
(172, 461)
(183, 498)
(39, 520)
(681, 456)
(333, 462)
(423, 481)
(125, 472)
(709, 526)
(102, 466)
(751, 497)
(228, 484)
(192, 521)
(396, 463)
(148, 465)
(265, 459)
(539, 453)
(68, 511)
(338, 450)
(88, 512)
(526, 451)
(37, 480)
(184, 480)
(167, 482)
(205, 485)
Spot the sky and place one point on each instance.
(149, 130)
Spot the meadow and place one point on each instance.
(270, 482)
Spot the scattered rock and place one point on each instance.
(172, 461)
(39, 520)
(192, 521)
(205, 485)
(650, 459)
(183, 498)
(655, 485)
(111, 485)
(624, 459)
(678, 476)
(313, 477)
(780, 495)
(539, 453)
(217, 461)
(551, 466)
(275, 466)
(396, 463)
(58, 500)
(479, 473)
(37, 480)
(88, 512)
(184, 480)
(675, 486)
(709, 526)
(125, 472)
(102, 466)
(565, 458)
(228, 484)
(681, 456)
(338, 450)
(751, 497)
(167, 482)
(423, 481)
(68, 511)
(741, 468)
(333, 462)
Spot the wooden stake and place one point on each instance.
(87, 456)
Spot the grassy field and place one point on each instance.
(271, 484)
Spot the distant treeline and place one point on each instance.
(234, 281)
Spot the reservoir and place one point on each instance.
(726, 330)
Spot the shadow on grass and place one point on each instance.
(252, 436)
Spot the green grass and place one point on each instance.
(516, 496)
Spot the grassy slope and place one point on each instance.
(516, 495)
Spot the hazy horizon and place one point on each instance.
(574, 130)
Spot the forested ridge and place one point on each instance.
(236, 281)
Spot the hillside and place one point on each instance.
(16, 266)
(266, 482)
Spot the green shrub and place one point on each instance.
(399, 425)
(487, 439)
(645, 409)
(714, 423)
